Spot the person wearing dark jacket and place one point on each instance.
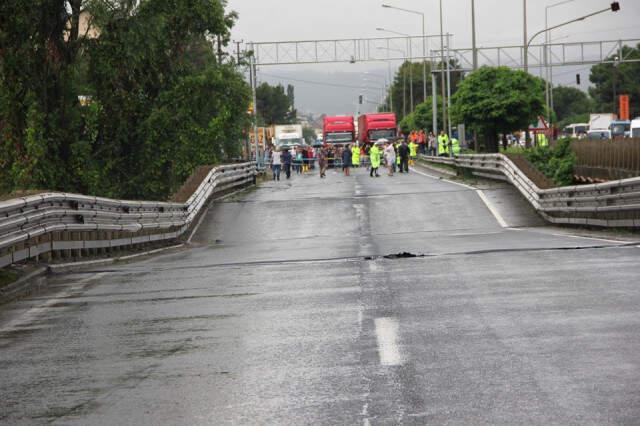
(286, 163)
(346, 160)
(403, 152)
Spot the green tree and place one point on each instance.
(309, 135)
(401, 87)
(618, 78)
(569, 101)
(496, 100)
(39, 111)
(274, 105)
(421, 118)
(161, 103)
(153, 70)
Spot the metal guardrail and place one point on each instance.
(71, 225)
(609, 204)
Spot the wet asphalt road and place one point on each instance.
(284, 312)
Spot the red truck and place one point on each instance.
(339, 130)
(372, 127)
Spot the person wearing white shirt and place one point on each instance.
(276, 164)
(390, 157)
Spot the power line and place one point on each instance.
(318, 83)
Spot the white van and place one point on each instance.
(599, 134)
(635, 128)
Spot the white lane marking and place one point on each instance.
(32, 314)
(387, 337)
(483, 197)
(492, 209)
(590, 238)
(443, 179)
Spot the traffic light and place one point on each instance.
(578, 79)
(360, 99)
(615, 6)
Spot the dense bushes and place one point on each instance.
(556, 163)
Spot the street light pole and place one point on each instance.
(582, 18)
(410, 60)
(404, 79)
(548, 68)
(424, 45)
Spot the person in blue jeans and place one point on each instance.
(286, 162)
(276, 164)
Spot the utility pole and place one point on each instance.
(442, 73)
(525, 58)
(238, 43)
(473, 35)
(219, 50)
(253, 80)
(448, 127)
(434, 103)
(424, 63)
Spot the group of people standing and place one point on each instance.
(298, 159)
(395, 156)
(429, 144)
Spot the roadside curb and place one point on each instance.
(74, 266)
(23, 285)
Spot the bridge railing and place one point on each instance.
(609, 204)
(61, 225)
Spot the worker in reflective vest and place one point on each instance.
(374, 154)
(455, 146)
(443, 144)
(396, 147)
(413, 152)
(355, 155)
(542, 139)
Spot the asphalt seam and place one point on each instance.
(401, 256)
(354, 197)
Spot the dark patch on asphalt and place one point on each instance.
(56, 413)
(403, 255)
(175, 319)
(163, 352)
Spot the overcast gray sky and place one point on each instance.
(499, 22)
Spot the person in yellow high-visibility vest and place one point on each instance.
(413, 152)
(443, 144)
(396, 146)
(542, 139)
(355, 155)
(455, 146)
(374, 154)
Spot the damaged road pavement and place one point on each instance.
(347, 300)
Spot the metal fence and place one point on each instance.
(609, 204)
(606, 160)
(60, 225)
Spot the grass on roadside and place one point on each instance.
(7, 277)
(20, 193)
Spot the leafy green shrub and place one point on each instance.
(556, 163)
